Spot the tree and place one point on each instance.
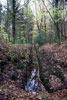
(28, 24)
(55, 19)
(13, 20)
(0, 14)
(41, 24)
(8, 20)
(56, 23)
(12, 10)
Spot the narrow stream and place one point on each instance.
(33, 84)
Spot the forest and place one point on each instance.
(33, 49)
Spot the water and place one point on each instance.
(33, 84)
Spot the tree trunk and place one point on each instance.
(7, 27)
(56, 24)
(13, 21)
(0, 13)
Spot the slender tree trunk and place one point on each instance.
(0, 13)
(9, 36)
(0, 21)
(65, 29)
(7, 30)
(38, 26)
(55, 20)
(56, 24)
(61, 29)
(45, 28)
(0, 16)
(13, 21)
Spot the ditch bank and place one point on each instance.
(16, 65)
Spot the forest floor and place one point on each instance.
(14, 71)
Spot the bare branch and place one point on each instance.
(48, 11)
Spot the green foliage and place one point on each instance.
(11, 42)
(5, 36)
(15, 47)
(42, 96)
(42, 14)
(57, 14)
(40, 39)
(26, 22)
(12, 58)
(24, 33)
